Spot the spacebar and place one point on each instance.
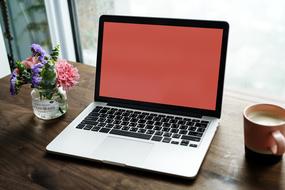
(130, 134)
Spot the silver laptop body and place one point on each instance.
(135, 141)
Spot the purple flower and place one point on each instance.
(13, 80)
(36, 78)
(40, 52)
(36, 81)
(37, 68)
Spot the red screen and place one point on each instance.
(172, 65)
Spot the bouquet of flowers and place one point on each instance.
(43, 71)
(48, 76)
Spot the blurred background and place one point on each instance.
(256, 39)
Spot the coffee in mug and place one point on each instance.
(264, 132)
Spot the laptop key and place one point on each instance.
(196, 134)
(130, 134)
(88, 127)
(96, 109)
(183, 127)
(95, 128)
(157, 128)
(190, 138)
(104, 130)
(140, 125)
(157, 118)
(156, 138)
(174, 130)
(190, 123)
(158, 123)
(117, 122)
(149, 118)
(90, 117)
(126, 118)
(118, 117)
(124, 123)
(133, 129)
(167, 134)
(193, 145)
(192, 128)
(184, 142)
(132, 124)
(204, 121)
(117, 127)
(103, 111)
(174, 142)
(142, 121)
(125, 128)
(181, 122)
(133, 115)
(101, 119)
(150, 132)
(149, 127)
(150, 122)
(159, 133)
(183, 132)
(187, 119)
(166, 140)
(166, 124)
(80, 126)
(90, 122)
(109, 121)
(103, 115)
(93, 114)
(141, 130)
(165, 120)
(101, 124)
(165, 129)
(141, 116)
(201, 125)
(126, 114)
(201, 130)
(175, 126)
(110, 125)
(177, 136)
(134, 120)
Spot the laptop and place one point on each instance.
(158, 95)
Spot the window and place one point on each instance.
(26, 22)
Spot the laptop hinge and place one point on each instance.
(154, 109)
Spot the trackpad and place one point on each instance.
(124, 151)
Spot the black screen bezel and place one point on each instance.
(156, 106)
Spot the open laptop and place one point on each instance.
(158, 95)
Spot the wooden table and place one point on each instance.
(24, 163)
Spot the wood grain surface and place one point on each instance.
(24, 163)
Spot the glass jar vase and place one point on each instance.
(49, 103)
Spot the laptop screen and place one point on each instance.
(171, 65)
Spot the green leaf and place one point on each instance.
(20, 66)
(55, 53)
(48, 75)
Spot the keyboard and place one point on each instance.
(176, 130)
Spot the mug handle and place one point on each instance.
(279, 147)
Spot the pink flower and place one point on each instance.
(67, 75)
(29, 62)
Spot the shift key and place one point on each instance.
(190, 138)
